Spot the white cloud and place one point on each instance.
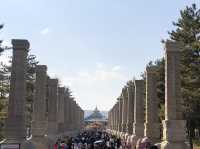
(45, 31)
(100, 65)
(99, 87)
(116, 68)
(99, 74)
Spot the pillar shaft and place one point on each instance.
(39, 123)
(130, 108)
(66, 112)
(138, 128)
(111, 114)
(72, 114)
(60, 116)
(116, 116)
(152, 119)
(52, 105)
(120, 114)
(172, 85)
(124, 109)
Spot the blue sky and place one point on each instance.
(93, 46)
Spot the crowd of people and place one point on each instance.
(89, 140)
(98, 140)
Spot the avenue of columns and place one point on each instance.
(135, 114)
(54, 113)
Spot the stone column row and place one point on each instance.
(129, 114)
(60, 111)
(53, 111)
(139, 120)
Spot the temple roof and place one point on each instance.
(95, 116)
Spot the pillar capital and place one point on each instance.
(20, 44)
(171, 46)
(151, 69)
(52, 82)
(41, 68)
(61, 90)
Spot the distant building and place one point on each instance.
(96, 119)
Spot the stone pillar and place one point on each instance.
(73, 114)
(52, 106)
(79, 118)
(66, 112)
(82, 119)
(138, 125)
(120, 114)
(111, 118)
(130, 108)
(152, 118)
(117, 116)
(114, 116)
(174, 127)
(39, 124)
(124, 109)
(76, 115)
(15, 129)
(70, 115)
(60, 116)
(108, 124)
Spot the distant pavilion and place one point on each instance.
(96, 119)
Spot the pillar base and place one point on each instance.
(152, 131)
(133, 141)
(119, 128)
(129, 128)
(138, 129)
(123, 128)
(174, 134)
(174, 145)
(52, 128)
(41, 142)
(61, 127)
(39, 128)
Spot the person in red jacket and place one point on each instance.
(55, 145)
